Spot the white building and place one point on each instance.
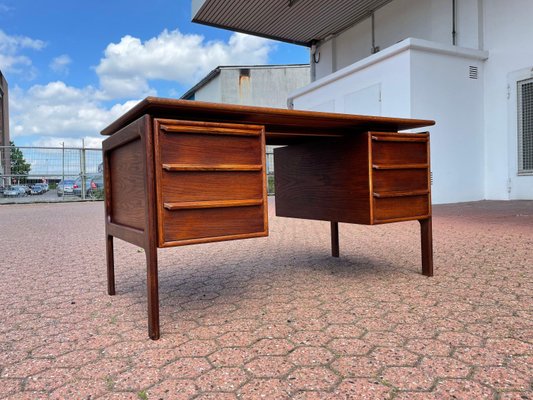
(467, 64)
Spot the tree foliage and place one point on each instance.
(19, 166)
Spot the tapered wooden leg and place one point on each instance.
(110, 265)
(427, 246)
(334, 239)
(153, 292)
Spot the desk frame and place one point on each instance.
(129, 151)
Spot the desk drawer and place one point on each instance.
(390, 149)
(391, 208)
(209, 144)
(211, 182)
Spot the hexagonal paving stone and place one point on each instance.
(230, 356)
(349, 346)
(312, 378)
(502, 378)
(272, 347)
(269, 366)
(357, 366)
(361, 389)
(393, 356)
(224, 379)
(186, 368)
(461, 389)
(259, 389)
(172, 389)
(444, 367)
(407, 378)
(428, 347)
(49, 380)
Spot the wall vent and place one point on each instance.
(472, 72)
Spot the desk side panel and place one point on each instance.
(326, 180)
(124, 154)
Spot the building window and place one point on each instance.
(525, 127)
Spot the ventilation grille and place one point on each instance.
(472, 72)
(525, 127)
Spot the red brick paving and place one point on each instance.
(271, 318)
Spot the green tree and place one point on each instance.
(19, 166)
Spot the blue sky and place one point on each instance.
(75, 66)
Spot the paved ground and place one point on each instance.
(273, 317)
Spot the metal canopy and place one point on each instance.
(294, 21)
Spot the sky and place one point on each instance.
(74, 66)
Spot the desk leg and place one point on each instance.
(152, 291)
(334, 239)
(427, 246)
(110, 265)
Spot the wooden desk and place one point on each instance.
(183, 172)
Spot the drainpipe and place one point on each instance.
(454, 22)
(375, 48)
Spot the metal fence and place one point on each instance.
(56, 168)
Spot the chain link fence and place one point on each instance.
(30, 174)
(51, 174)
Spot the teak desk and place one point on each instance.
(183, 172)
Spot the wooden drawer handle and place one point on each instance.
(191, 205)
(422, 139)
(401, 194)
(400, 166)
(218, 167)
(210, 130)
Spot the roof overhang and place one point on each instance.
(296, 21)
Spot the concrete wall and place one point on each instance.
(418, 79)
(442, 90)
(423, 19)
(255, 86)
(267, 87)
(507, 35)
(504, 30)
(212, 92)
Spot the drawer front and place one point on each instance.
(400, 208)
(204, 224)
(211, 182)
(400, 180)
(181, 145)
(399, 149)
(210, 185)
(400, 176)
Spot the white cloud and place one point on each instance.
(59, 110)
(4, 8)
(60, 113)
(10, 48)
(60, 64)
(129, 65)
(90, 142)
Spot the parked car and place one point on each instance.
(92, 186)
(65, 187)
(77, 186)
(15, 191)
(97, 185)
(37, 189)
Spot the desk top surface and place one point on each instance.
(281, 126)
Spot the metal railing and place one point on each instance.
(49, 167)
